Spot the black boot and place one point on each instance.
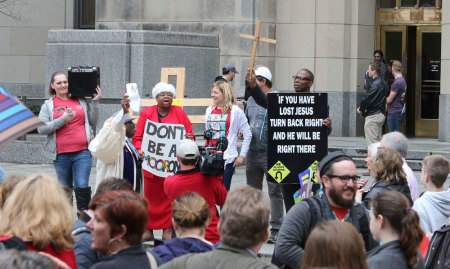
(69, 193)
(83, 196)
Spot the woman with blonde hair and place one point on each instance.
(334, 244)
(389, 175)
(225, 119)
(39, 213)
(190, 219)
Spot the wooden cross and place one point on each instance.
(256, 38)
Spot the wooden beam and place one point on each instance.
(254, 46)
(256, 38)
(180, 73)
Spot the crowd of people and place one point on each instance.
(344, 224)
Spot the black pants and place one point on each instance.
(288, 194)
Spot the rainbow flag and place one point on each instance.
(15, 118)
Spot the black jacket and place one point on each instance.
(375, 100)
(399, 185)
(132, 257)
(438, 254)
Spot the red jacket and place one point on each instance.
(209, 187)
(175, 116)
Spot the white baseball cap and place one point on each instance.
(187, 149)
(264, 72)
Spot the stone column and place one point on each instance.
(444, 98)
(335, 40)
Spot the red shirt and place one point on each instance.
(72, 136)
(219, 123)
(67, 256)
(209, 187)
(340, 212)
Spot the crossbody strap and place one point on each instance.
(152, 260)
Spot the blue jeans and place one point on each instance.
(74, 168)
(394, 122)
(227, 175)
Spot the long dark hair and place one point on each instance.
(395, 208)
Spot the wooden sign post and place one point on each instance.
(256, 38)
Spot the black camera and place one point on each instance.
(212, 162)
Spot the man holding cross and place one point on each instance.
(303, 82)
(256, 166)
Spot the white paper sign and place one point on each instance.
(159, 146)
(133, 96)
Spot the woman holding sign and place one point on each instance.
(225, 119)
(159, 207)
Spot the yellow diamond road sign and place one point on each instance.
(279, 171)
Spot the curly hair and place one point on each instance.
(388, 166)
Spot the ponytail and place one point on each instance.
(411, 236)
(395, 208)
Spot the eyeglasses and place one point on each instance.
(345, 179)
(301, 78)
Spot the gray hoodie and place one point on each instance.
(257, 119)
(433, 209)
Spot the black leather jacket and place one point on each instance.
(375, 100)
(400, 185)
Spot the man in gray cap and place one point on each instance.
(116, 155)
(228, 73)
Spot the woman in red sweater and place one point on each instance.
(159, 207)
(39, 213)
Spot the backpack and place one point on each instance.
(438, 254)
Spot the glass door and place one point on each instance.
(428, 80)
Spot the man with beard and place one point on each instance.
(339, 177)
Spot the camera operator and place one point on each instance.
(190, 179)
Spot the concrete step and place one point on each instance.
(36, 138)
(24, 152)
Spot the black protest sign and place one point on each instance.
(296, 136)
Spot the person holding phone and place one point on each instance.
(69, 123)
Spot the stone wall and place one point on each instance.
(335, 40)
(23, 40)
(134, 56)
(215, 17)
